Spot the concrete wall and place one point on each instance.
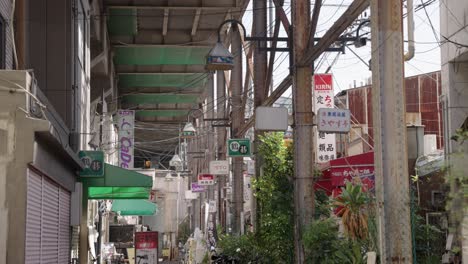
(454, 59)
(58, 52)
(17, 139)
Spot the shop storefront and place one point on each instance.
(336, 173)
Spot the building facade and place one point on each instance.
(45, 121)
(422, 109)
(454, 61)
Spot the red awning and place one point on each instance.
(339, 170)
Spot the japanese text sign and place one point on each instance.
(219, 167)
(205, 179)
(94, 163)
(324, 98)
(239, 147)
(146, 247)
(333, 120)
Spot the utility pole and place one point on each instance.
(211, 140)
(390, 148)
(303, 132)
(221, 138)
(236, 88)
(259, 75)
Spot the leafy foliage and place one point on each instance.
(323, 245)
(275, 199)
(429, 240)
(245, 248)
(352, 204)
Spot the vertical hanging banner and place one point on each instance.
(323, 97)
(126, 127)
(146, 247)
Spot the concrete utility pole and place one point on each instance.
(260, 71)
(236, 102)
(390, 150)
(221, 138)
(303, 116)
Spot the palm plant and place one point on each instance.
(352, 204)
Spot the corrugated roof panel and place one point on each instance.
(160, 55)
(122, 22)
(159, 98)
(184, 80)
(161, 113)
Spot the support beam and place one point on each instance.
(271, 63)
(196, 22)
(282, 16)
(353, 11)
(221, 142)
(237, 120)
(304, 201)
(314, 21)
(356, 8)
(390, 148)
(260, 89)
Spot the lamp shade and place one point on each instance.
(175, 161)
(219, 58)
(188, 131)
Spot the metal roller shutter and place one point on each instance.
(33, 218)
(47, 221)
(64, 226)
(50, 225)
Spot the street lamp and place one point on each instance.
(219, 58)
(189, 130)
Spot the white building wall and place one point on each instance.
(454, 73)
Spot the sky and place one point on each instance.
(348, 68)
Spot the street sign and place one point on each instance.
(94, 163)
(197, 188)
(146, 247)
(239, 147)
(251, 167)
(333, 120)
(205, 179)
(219, 167)
(271, 118)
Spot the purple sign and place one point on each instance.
(197, 188)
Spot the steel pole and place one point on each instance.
(221, 142)
(259, 77)
(236, 102)
(390, 148)
(303, 116)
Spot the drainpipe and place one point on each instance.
(410, 7)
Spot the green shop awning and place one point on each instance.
(118, 183)
(134, 207)
(99, 193)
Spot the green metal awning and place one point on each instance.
(160, 55)
(177, 80)
(161, 113)
(108, 193)
(122, 22)
(118, 183)
(134, 207)
(160, 99)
